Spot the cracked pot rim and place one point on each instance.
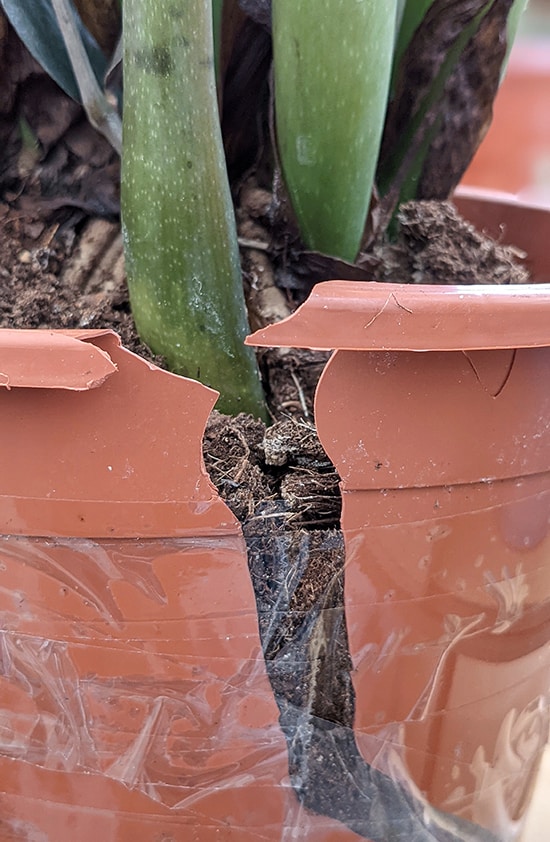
(358, 316)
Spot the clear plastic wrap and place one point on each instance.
(439, 431)
(132, 681)
(135, 699)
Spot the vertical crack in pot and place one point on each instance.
(298, 572)
(308, 662)
(493, 382)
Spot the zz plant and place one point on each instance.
(373, 102)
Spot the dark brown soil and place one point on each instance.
(436, 246)
(62, 271)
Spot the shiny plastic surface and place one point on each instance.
(50, 359)
(446, 509)
(135, 703)
(444, 459)
(120, 457)
(134, 699)
(413, 317)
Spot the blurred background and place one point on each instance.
(515, 155)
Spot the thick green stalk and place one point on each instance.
(178, 224)
(332, 62)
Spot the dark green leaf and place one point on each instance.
(36, 24)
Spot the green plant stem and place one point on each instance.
(179, 230)
(332, 62)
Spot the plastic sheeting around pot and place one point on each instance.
(444, 459)
(135, 701)
(134, 695)
(134, 698)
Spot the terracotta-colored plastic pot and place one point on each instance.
(515, 154)
(435, 409)
(134, 698)
(127, 610)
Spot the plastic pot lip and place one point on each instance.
(53, 359)
(365, 316)
(89, 445)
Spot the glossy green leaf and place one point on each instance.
(36, 24)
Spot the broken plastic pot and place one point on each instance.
(134, 702)
(134, 698)
(435, 410)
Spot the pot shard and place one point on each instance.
(134, 702)
(134, 698)
(444, 459)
